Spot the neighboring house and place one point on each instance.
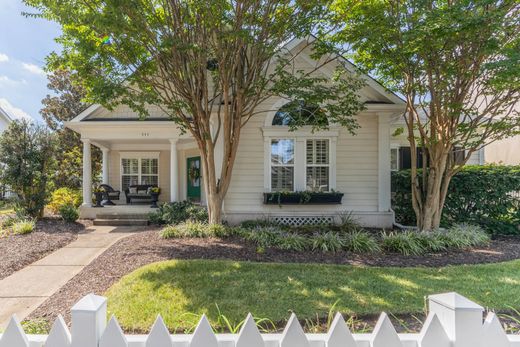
(269, 158)
(5, 120)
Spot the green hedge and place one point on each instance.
(485, 195)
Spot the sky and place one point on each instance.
(24, 44)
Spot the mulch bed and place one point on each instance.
(147, 247)
(18, 251)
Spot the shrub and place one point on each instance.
(23, 227)
(327, 242)
(69, 213)
(64, 196)
(178, 212)
(481, 195)
(405, 243)
(359, 241)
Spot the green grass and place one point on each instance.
(181, 290)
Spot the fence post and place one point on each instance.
(89, 319)
(460, 318)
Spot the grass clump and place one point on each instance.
(191, 229)
(406, 243)
(359, 241)
(293, 242)
(328, 242)
(23, 227)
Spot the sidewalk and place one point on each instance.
(25, 290)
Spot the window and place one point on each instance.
(394, 159)
(299, 113)
(139, 171)
(317, 165)
(282, 165)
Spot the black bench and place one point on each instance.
(140, 192)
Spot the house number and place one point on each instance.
(145, 134)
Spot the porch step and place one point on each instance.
(120, 219)
(122, 215)
(121, 222)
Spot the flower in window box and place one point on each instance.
(155, 190)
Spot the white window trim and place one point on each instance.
(396, 147)
(328, 165)
(139, 155)
(300, 137)
(293, 165)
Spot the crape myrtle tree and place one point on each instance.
(65, 103)
(207, 64)
(457, 64)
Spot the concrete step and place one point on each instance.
(120, 222)
(118, 215)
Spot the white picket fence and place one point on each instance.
(453, 321)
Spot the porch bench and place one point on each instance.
(138, 193)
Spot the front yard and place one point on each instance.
(182, 290)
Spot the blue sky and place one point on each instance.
(24, 44)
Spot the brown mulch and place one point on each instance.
(18, 251)
(137, 250)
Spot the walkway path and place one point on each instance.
(25, 290)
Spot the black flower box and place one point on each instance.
(300, 198)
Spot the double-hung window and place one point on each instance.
(282, 165)
(317, 165)
(139, 169)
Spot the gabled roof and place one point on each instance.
(393, 99)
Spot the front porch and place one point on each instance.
(131, 165)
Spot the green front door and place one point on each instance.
(194, 178)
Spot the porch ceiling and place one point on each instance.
(141, 144)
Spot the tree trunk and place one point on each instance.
(429, 196)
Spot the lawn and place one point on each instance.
(181, 290)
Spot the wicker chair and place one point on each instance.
(109, 194)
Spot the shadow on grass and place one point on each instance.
(182, 290)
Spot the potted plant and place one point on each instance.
(98, 195)
(154, 193)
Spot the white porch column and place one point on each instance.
(174, 171)
(87, 173)
(105, 165)
(384, 170)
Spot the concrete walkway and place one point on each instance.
(26, 289)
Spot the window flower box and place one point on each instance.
(294, 198)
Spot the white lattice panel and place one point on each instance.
(303, 220)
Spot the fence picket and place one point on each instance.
(159, 335)
(249, 335)
(384, 334)
(433, 334)
(493, 333)
(339, 335)
(113, 335)
(14, 336)
(59, 336)
(293, 335)
(203, 336)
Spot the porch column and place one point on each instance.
(174, 171)
(87, 173)
(105, 165)
(384, 170)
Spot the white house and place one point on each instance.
(154, 151)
